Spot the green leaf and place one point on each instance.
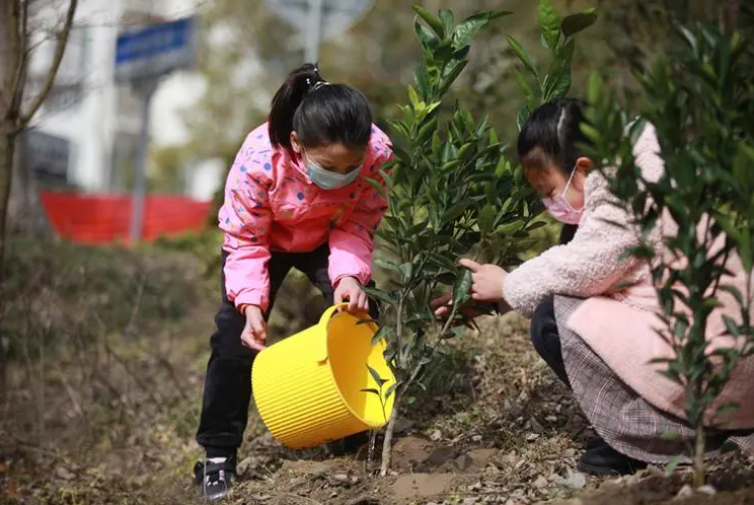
(377, 186)
(576, 23)
(391, 389)
(523, 84)
(378, 294)
(431, 20)
(672, 465)
(468, 28)
(549, 20)
(380, 334)
(559, 86)
(731, 326)
(522, 54)
(523, 115)
(447, 20)
(453, 74)
(370, 391)
(422, 80)
(427, 37)
(595, 86)
(376, 376)
(669, 436)
(461, 287)
(415, 101)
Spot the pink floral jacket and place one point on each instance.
(271, 205)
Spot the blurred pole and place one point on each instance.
(313, 31)
(145, 89)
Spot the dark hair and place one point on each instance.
(319, 112)
(554, 128)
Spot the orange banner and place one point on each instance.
(106, 219)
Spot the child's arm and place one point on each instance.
(595, 261)
(592, 264)
(352, 243)
(246, 218)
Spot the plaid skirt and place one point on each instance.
(619, 415)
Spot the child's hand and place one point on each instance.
(255, 332)
(349, 288)
(487, 281)
(442, 306)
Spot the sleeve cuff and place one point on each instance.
(251, 297)
(362, 277)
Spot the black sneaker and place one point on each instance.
(215, 479)
(594, 443)
(604, 460)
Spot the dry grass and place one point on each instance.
(106, 413)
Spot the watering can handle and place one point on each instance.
(323, 322)
(330, 312)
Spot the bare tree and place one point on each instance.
(15, 56)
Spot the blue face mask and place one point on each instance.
(326, 179)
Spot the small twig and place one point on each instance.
(22, 63)
(173, 377)
(37, 448)
(390, 429)
(306, 499)
(136, 379)
(73, 396)
(136, 306)
(62, 41)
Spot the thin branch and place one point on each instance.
(62, 42)
(16, 96)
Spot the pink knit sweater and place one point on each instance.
(618, 318)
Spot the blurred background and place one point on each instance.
(85, 138)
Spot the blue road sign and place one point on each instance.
(155, 50)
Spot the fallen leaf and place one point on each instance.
(575, 481)
(64, 473)
(685, 492)
(707, 489)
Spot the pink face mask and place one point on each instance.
(560, 209)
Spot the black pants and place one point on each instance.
(546, 340)
(544, 327)
(227, 386)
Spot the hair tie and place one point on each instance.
(319, 84)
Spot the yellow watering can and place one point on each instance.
(311, 388)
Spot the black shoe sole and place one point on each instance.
(599, 471)
(606, 471)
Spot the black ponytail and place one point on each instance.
(319, 112)
(555, 129)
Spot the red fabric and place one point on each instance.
(106, 219)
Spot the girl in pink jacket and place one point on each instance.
(296, 196)
(594, 311)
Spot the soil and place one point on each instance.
(114, 423)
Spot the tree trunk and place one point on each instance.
(728, 18)
(25, 212)
(387, 444)
(6, 166)
(7, 148)
(699, 453)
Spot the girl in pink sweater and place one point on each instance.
(594, 310)
(296, 196)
